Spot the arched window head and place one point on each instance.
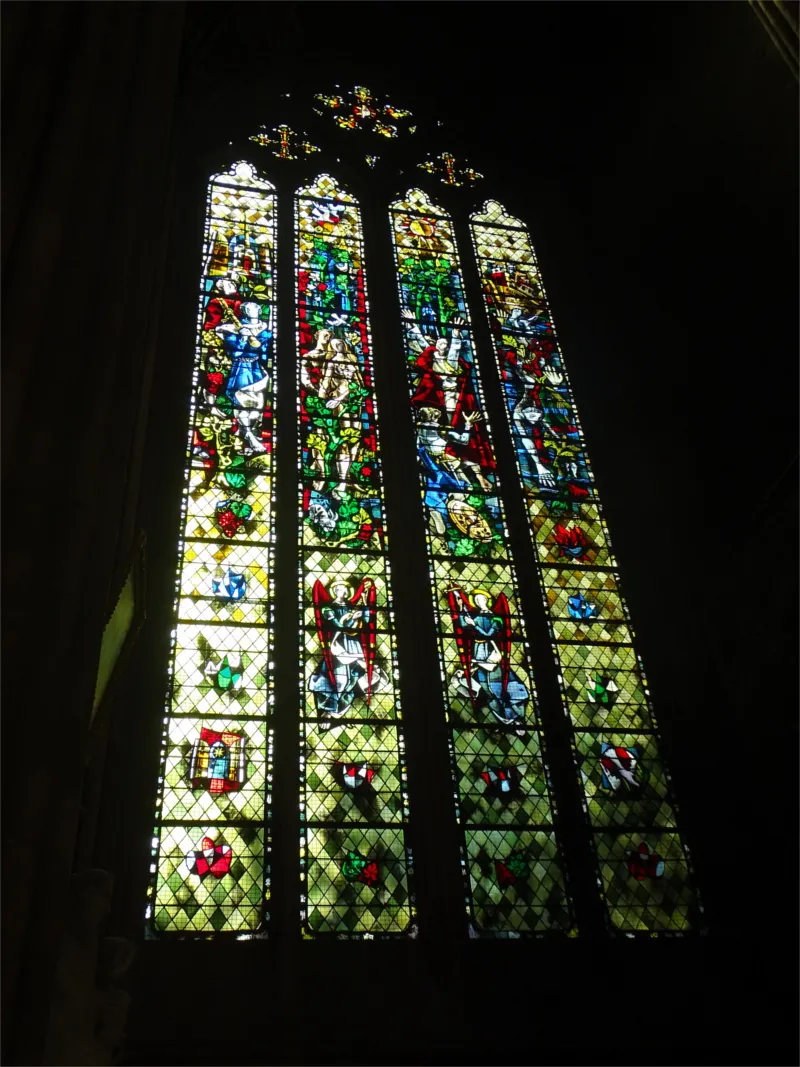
(212, 819)
(638, 850)
(514, 880)
(354, 805)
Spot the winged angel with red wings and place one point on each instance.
(484, 647)
(346, 630)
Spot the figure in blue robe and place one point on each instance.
(346, 626)
(485, 643)
(248, 365)
(249, 349)
(444, 470)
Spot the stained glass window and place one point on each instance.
(356, 864)
(643, 864)
(359, 110)
(210, 843)
(449, 170)
(284, 142)
(514, 875)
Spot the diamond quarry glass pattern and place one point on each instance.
(514, 881)
(643, 865)
(210, 846)
(355, 862)
(210, 852)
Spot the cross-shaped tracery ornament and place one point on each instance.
(360, 112)
(285, 143)
(449, 171)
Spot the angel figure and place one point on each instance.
(484, 647)
(345, 625)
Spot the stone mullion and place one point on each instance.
(285, 887)
(433, 831)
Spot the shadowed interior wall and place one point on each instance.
(88, 98)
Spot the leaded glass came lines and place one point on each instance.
(355, 862)
(644, 869)
(210, 847)
(514, 880)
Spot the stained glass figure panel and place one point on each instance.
(499, 775)
(210, 845)
(354, 805)
(341, 495)
(371, 694)
(604, 689)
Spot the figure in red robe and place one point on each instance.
(346, 631)
(446, 385)
(484, 637)
(223, 307)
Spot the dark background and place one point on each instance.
(652, 148)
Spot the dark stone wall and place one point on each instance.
(88, 100)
